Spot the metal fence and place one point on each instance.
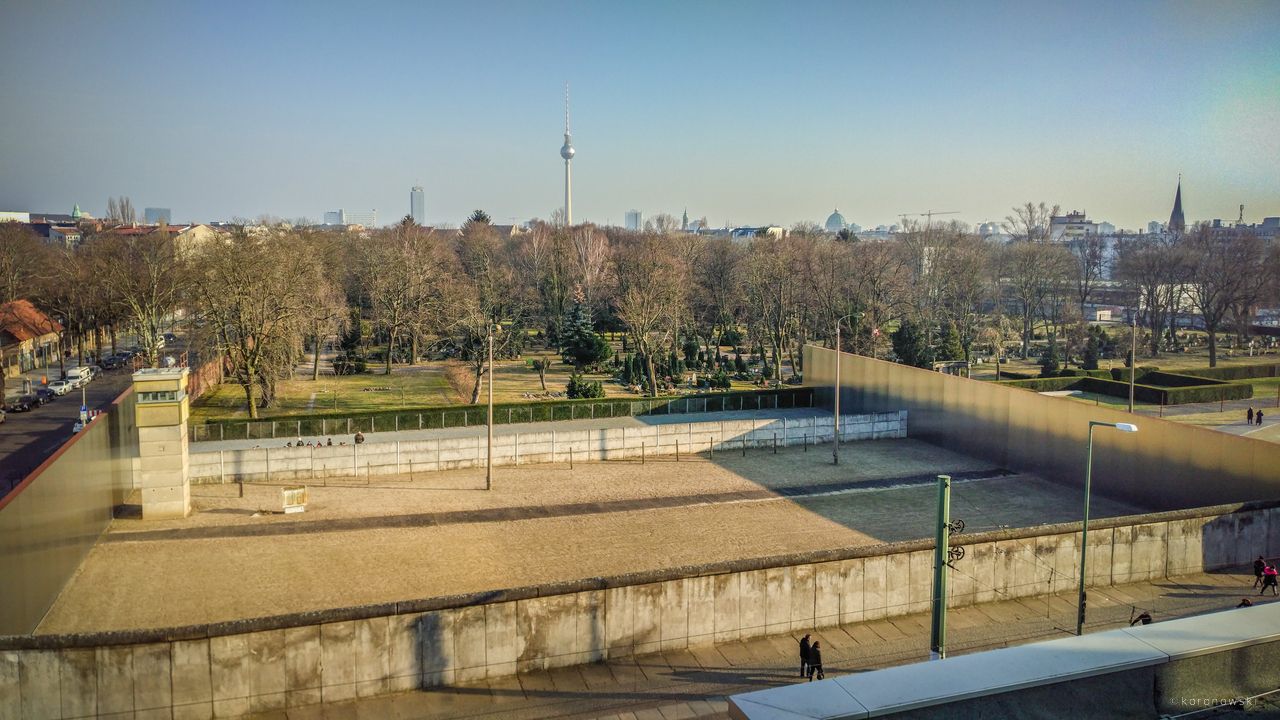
(469, 415)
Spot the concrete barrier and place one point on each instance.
(452, 453)
(231, 668)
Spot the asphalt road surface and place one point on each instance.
(28, 438)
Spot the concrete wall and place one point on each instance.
(410, 457)
(50, 521)
(1166, 465)
(289, 661)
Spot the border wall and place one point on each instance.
(1166, 465)
(50, 521)
(408, 457)
(254, 665)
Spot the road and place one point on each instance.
(27, 439)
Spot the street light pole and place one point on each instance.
(1133, 353)
(488, 461)
(835, 449)
(1084, 530)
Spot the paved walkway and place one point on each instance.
(694, 683)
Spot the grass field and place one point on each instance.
(425, 384)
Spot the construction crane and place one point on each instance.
(927, 215)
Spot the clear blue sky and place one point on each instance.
(745, 112)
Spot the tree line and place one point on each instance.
(265, 298)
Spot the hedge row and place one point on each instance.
(1076, 372)
(1237, 372)
(1151, 394)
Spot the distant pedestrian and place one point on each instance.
(1258, 566)
(1268, 580)
(1259, 416)
(359, 437)
(1244, 602)
(804, 655)
(1144, 618)
(1249, 416)
(329, 443)
(815, 661)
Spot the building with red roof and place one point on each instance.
(26, 336)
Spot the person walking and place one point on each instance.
(1268, 580)
(815, 661)
(804, 654)
(1249, 416)
(1258, 415)
(1258, 566)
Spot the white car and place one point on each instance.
(62, 387)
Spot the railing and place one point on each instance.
(435, 418)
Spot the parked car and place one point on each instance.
(61, 387)
(35, 399)
(80, 375)
(21, 404)
(45, 395)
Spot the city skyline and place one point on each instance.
(977, 109)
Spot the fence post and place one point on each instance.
(570, 457)
(397, 430)
(222, 467)
(273, 429)
(411, 462)
(349, 432)
(775, 443)
(221, 427)
(677, 449)
(744, 445)
(642, 453)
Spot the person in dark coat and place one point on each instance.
(1259, 416)
(815, 661)
(804, 654)
(1258, 566)
(1248, 416)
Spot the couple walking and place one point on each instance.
(810, 658)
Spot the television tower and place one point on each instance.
(566, 152)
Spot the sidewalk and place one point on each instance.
(694, 683)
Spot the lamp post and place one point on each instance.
(488, 460)
(1133, 352)
(1084, 532)
(835, 449)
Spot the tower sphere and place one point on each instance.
(566, 150)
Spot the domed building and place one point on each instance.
(835, 222)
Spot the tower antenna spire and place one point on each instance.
(566, 107)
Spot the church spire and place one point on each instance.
(1177, 223)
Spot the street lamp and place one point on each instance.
(1084, 533)
(835, 449)
(488, 461)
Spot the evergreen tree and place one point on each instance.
(949, 347)
(580, 387)
(579, 344)
(1049, 361)
(909, 345)
(1091, 347)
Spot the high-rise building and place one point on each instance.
(567, 152)
(418, 205)
(359, 217)
(155, 216)
(333, 217)
(633, 220)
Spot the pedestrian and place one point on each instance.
(804, 655)
(1259, 416)
(1244, 602)
(359, 437)
(329, 443)
(1249, 416)
(1258, 566)
(1144, 618)
(1269, 579)
(815, 661)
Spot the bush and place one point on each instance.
(349, 365)
(732, 337)
(579, 388)
(720, 381)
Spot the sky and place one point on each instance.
(746, 113)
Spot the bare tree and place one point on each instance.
(1036, 274)
(260, 307)
(649, 297)
(1088, 254)
(1220, 267)
(1030, 222)
(146, 277)
(773, 292)
(22, 261)
(1153, 266)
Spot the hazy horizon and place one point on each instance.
(752, 113)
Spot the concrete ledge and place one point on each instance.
(990, 674)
